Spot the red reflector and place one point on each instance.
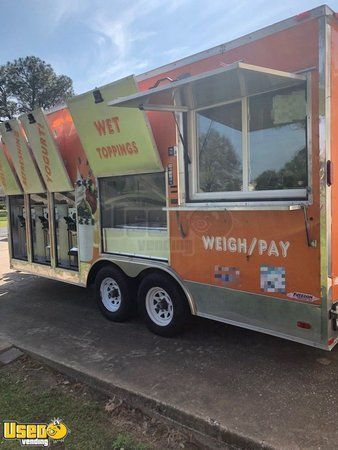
(304, 325)
(303, 16)
(330, 341)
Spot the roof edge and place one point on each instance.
(284, 24)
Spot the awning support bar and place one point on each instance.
(185, 148)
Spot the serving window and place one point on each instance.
(252, 148)
(133, 202)
(133, 219)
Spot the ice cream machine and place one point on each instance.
(66, 230)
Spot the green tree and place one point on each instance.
(292, 175)
(28, 83)
(219, 167)
(8, 107)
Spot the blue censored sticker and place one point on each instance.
(224, 274)
(273, 279)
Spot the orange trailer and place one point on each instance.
(205, 187)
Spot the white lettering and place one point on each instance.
(232, 245)
(285, 247)
(208, 242)
(218, 243)
(273, 250)
(241, 245)
(252, 246)
(262, 246)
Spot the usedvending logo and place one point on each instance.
(302, 296)
(35, 434)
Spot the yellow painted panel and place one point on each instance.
(24, 164)
(117, 141)
(46, 151)
(8, 180)
(151, 244)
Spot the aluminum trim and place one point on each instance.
(245, 206)
(266, 331)
(323, 194)
(240, 195)
(29, 240)
(167, 231)
(309, 129)
(256, 294)
(9, 229)
(264, 313)
(136, 255)
(223, 197)
(52, 230)
(47, 271)
(245, 145)
(236, 67)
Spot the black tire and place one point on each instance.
(180, 308)
(122, 294)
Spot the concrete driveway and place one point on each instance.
(256, 387)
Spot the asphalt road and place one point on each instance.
(273, 391)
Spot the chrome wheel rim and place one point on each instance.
(111, 296)
(159, 306)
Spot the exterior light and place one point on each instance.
(31, 118)
(97, 96)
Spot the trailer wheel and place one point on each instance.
(163, 305)
(113, 295)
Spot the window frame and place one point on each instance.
(269, 197)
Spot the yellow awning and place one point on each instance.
(45, 151)
(24, 164)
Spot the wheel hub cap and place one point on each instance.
(159, 306)
(110, 294)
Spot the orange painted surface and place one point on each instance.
(68, 141)
(291, 50)
(334, 155)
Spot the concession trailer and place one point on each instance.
(208, 186)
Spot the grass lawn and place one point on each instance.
(32, 392)
(25, 396)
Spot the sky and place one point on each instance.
(99, 41)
